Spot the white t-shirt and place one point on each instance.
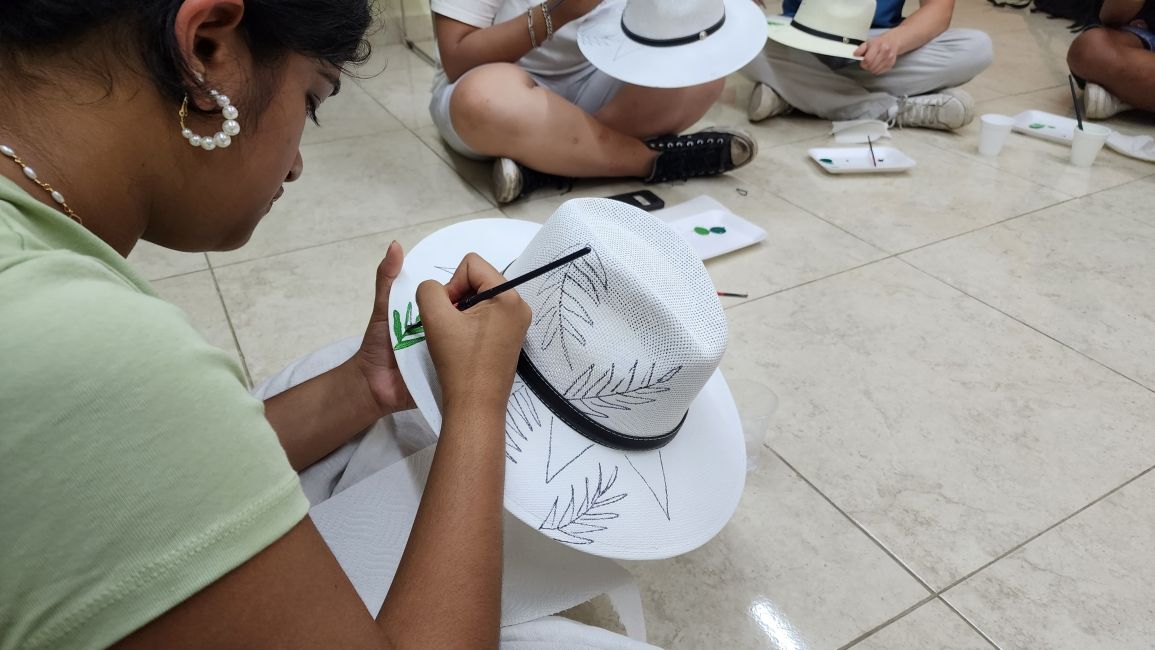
(559, 56)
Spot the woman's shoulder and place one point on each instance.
(144, 468)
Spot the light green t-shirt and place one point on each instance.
(135, 469)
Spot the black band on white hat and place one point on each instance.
(582, 423)
(673, 42)
(827, 35)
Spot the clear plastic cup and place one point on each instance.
(756, 404)
(994, 133)
(1088, 143)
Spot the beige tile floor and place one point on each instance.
(964, 356)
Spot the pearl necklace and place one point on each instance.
(31, 174)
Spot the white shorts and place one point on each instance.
(589, 89)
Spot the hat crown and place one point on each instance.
(630, 333)
(663, 20)
(848, 18)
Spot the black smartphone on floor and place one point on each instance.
(643, 199)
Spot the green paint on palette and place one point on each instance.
(701, 231)
(1036, 125)
(826, 160)
(718, 230)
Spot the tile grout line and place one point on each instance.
(1046, 530)
(833, 225)
(894, 619)
(969, 622)
(1029, 326)
(930, 590)
(1000, 222)
(177, 275)
(229, 320)
(809, 282)
(345, 239)
(492, 202)
(378, 102)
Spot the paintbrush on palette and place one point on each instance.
(473, 300)
(873, 160)
(1075, 99)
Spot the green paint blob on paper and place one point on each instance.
(701, 231)
(718, 230)
(826, 160)
(1036, 125)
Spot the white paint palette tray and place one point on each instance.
(1046, 126)
(710, 227)
(857, 160)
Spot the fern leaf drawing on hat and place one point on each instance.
(521, 418)
(568, 293)
(597, 393)
(405, 337)
(578, 520)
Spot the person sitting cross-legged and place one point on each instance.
(515, 86)
(908, 72)
(1117, 60)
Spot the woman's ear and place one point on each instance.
(213, 45)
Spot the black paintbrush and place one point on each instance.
(873, 160)
(1075, 99)
(466, 303)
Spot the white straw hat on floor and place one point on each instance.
(673, 43)
(622, 438)
(830, 27)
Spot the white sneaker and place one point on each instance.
(1100, 104)
(949, 110)
(765, 103)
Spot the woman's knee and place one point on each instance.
(1091, 54)
(487, 96)
(975, 53)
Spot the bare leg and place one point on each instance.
(1117, 61)
(498, 110)
(648, 112)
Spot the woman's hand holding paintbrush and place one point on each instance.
(482, 296)
(475, 351)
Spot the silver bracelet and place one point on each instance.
(532, 35)
(548, 20)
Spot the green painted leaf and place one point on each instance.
(409, 315)
(701, 231)
(408, 344)
(397, 324)
(718, 230)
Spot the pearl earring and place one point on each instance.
(223, 138)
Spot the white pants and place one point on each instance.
(390, 441)
(589, 89)
(850, 93)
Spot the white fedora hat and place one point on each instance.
(830, 27)
(673, 43)
(622, 438)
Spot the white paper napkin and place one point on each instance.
(859, 131)
(1135, 146)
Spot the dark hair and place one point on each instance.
(326, 30)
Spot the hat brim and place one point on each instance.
(621, 505)
(727, 50)
(798, 39)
